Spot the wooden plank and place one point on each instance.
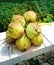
(2, 35)
(18, 55)
(48, 32)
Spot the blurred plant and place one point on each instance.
(10, 7)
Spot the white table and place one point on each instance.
(9, 58)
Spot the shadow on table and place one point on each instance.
(6, 49)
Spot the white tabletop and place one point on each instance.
(7, 57)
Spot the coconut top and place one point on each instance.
(14, 24)
(18, 17)
(31, 13)
(36, 27)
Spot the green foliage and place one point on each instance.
(10, 7)
(48, 18)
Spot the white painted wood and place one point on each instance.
(48, 31)
(9, 58)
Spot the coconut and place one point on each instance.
(16, 30)
(30, 16)
(33, 30)
(23, 43)
(38, 40)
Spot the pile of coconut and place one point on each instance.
(24, 31)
